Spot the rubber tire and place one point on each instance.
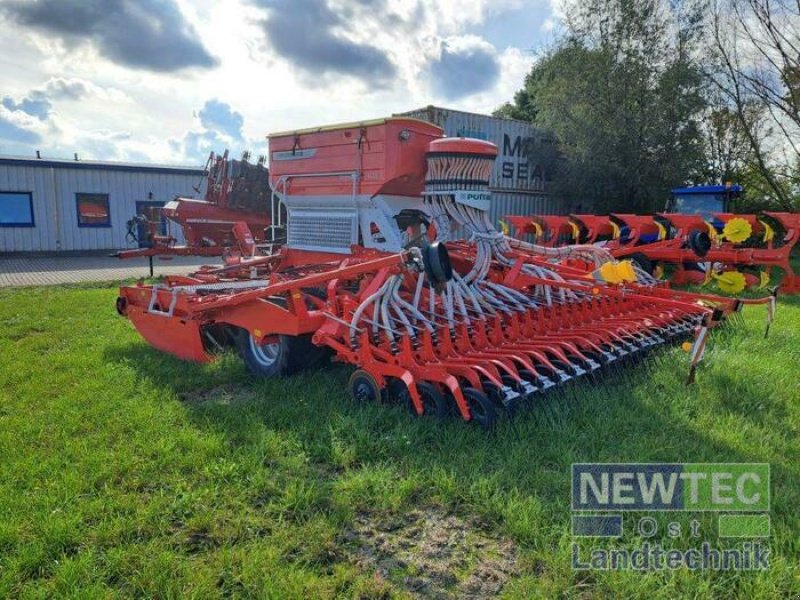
(531, 378)
(364, 388)
(481, 408)
(433, 402)
(294, 353)
(699, 242)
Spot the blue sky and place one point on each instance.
(170, 80)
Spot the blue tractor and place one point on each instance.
(705, 200)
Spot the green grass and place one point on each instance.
(124, 472)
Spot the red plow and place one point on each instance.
(392, 266)
(735, 251)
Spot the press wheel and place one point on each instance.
(363, 387)
(481, 409)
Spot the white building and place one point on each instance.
(79, 205)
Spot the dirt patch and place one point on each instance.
(432, 554)
(221, 394)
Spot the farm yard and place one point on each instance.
(551, 249)
(126, 472)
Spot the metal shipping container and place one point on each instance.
(522, 178)
(55, 205)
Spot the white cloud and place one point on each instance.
(102, 107)
(19, 128)
(74, 88)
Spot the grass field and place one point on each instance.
(124, 472)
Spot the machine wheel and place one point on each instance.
(433, 403)
(699, 242)
(363, 387)
(514, 405)
(693, 266)
(289, 354)
(481, 408)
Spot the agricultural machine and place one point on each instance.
(237, 217)
(392, 265)
(698, 235)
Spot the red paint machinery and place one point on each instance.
(391, 265)
(235, 216)
(734, 251)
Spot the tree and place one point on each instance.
(624, 96)
(729, 155)
(755, 46)
(524, 106)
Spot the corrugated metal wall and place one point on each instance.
(516, 203)
(53, 191)
(521, 180)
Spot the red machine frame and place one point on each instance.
(470, 326)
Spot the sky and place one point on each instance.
(171, 80)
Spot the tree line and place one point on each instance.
(647, 95)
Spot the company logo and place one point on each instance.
(602, 493)
(671, 486)
(480, 200)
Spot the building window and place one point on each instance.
(93, 210)
(16, 209)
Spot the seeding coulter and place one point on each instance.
(392, 266)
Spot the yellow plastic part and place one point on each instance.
(626, 271)
(662, 231)
(537, 229)
(712, 232)
(763, 280)
(737, 230)
(503, 226)
(614, 230)
(608, 273)
(707, 278)
(731, 282)
(616, 272)
(769, 232)
(576, 231)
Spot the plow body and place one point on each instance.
(697, 247)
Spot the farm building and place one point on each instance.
(82, 205)
(522, 180)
